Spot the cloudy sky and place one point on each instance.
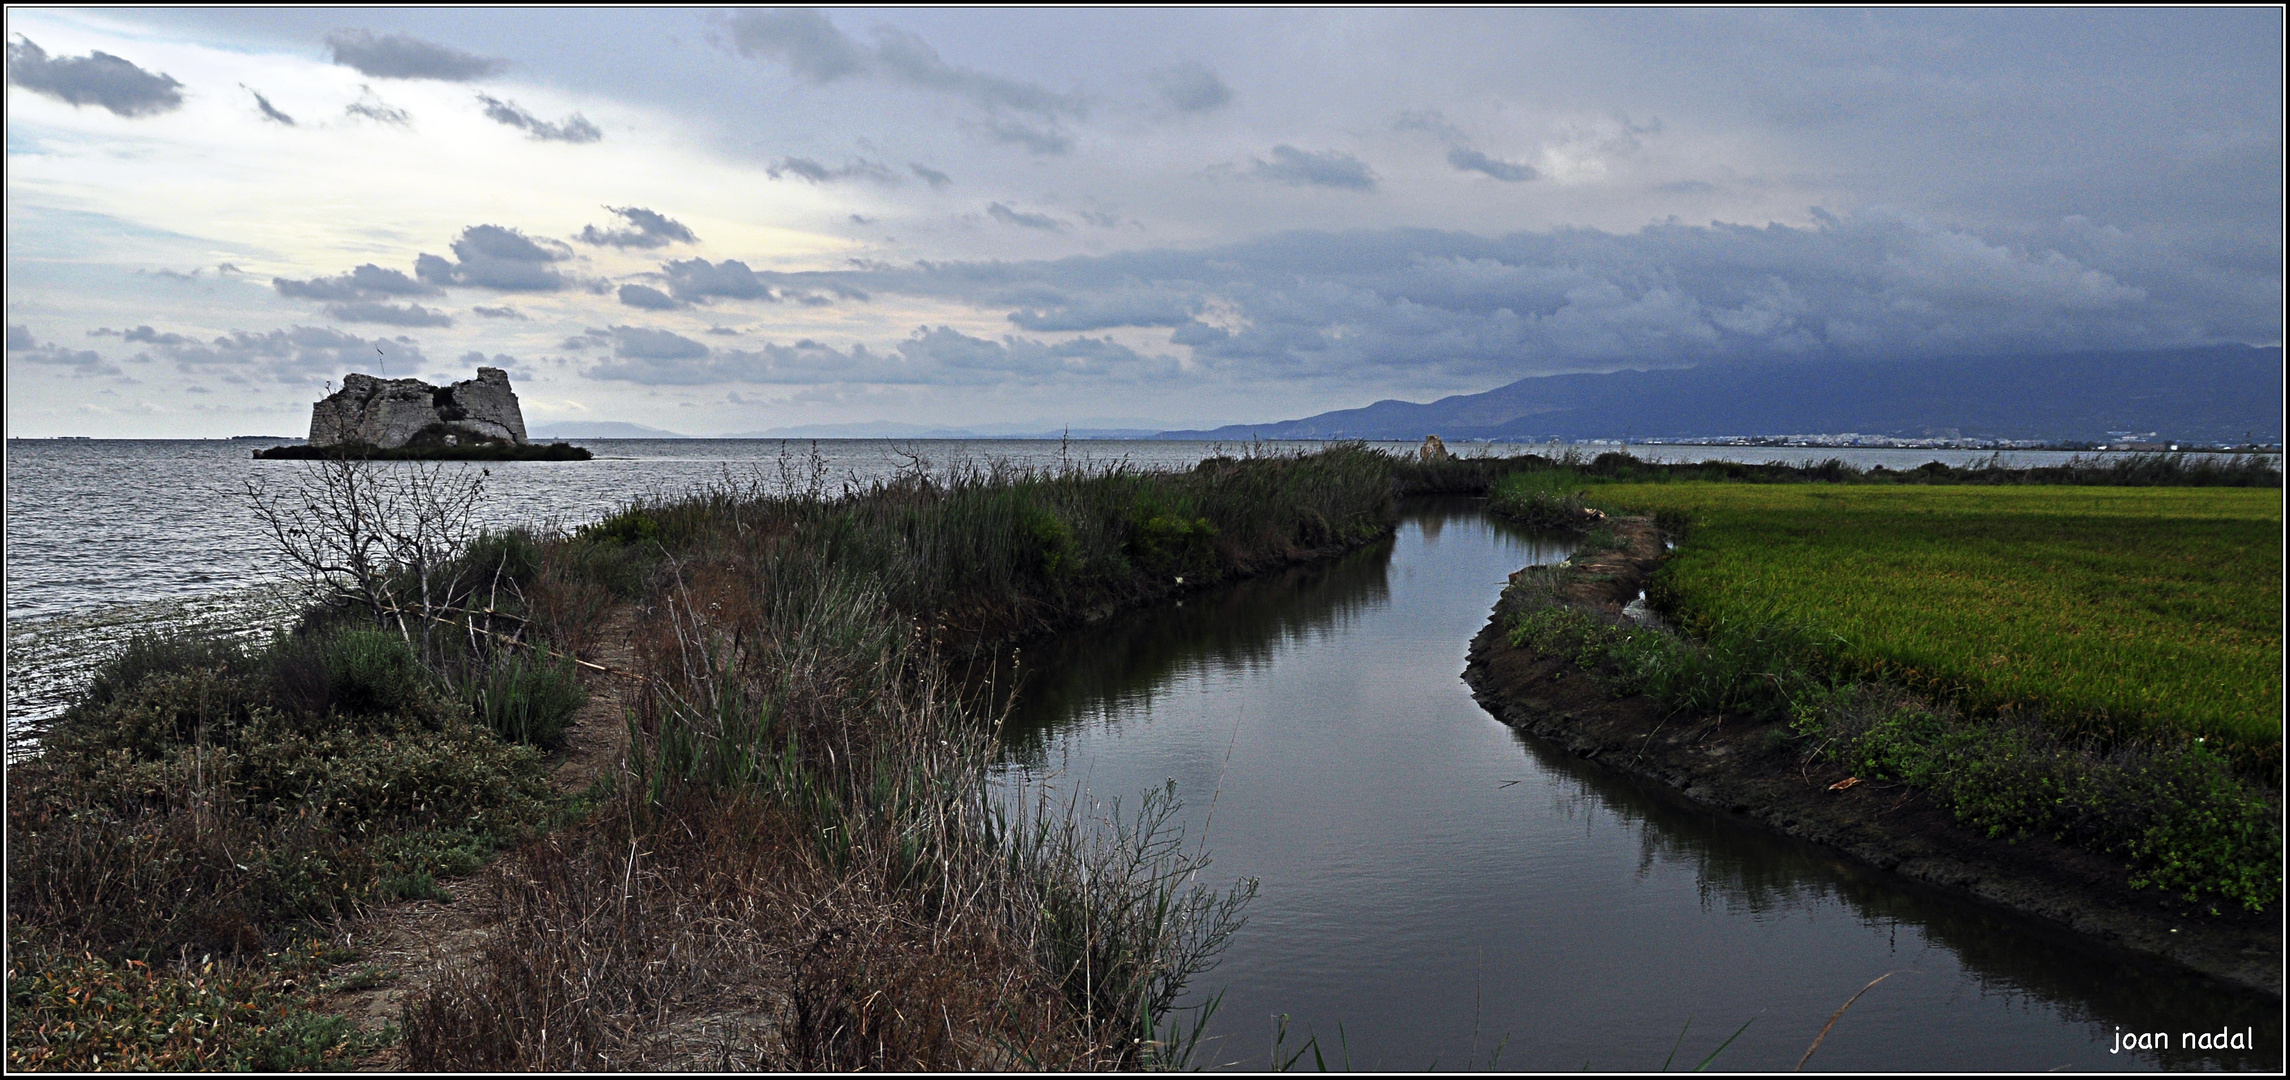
(723, 221)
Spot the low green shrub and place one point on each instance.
(524, 698)
(81, 1013)
(215, 806)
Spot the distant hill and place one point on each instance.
(2220, 393)
(599, 429)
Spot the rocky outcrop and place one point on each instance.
(389, 413)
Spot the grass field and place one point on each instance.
(2115, 611)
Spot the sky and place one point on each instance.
(723, 221)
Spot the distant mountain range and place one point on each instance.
(2223, 393)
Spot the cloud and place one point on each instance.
(937, 180)
(1299, 168)
(854, 169)
(1039, 140)
(1460, 152)
(398, 56)
(391, 314)
(268, 110)
(1686, 187)
(301, 355)
(817, 52)
(1469, 160)
(647, 297)
(1137, 306)
(572, 129)
(503, 312)
(932, 356)
(139, 333)
(698, 279)
(801, 38)
(1007, 216)
(98, 78)
(22, 347)
(1428, 311)
(647, 343)
(1191, 87)
(497, 258)
(374, 108)
(650, 230)
(910, 58)
(367, 282)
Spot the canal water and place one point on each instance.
(1439, 891)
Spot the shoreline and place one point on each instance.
(1751, 772)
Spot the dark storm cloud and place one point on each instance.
(854, 169)
(98, 78)
(647, 230)
(572, 129)
(647, 297)
(698, 279)
(391, 314)
(1442, 310)
(373, 108)
(301, 354)
(937, 180)
(398, 56)
(497, 258)
(24, 348)
(367, 282)
(1191, 87)
(1007, 216)
(1469, 160)
(1299, 168)
(263, 105)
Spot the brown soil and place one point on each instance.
(1756, 773)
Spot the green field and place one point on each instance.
(2115, 611)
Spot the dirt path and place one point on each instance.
(401, 947)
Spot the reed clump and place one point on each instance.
(806, 785)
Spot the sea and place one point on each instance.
(108, 538)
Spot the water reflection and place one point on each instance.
(1438, 883)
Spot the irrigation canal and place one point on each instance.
(1438, 890)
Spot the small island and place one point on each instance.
(410, 420)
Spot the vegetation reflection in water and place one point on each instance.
(1516, 896)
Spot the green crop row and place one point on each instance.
(2114, 612)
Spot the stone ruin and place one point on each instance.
(390, 413)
